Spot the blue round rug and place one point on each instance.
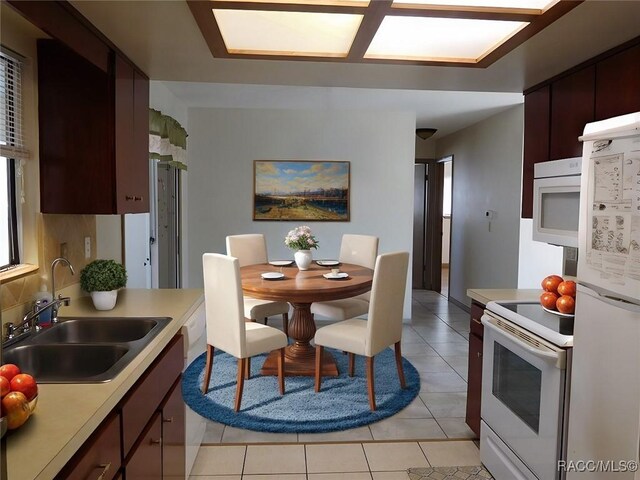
(342, 403)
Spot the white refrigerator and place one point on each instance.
(604, 409)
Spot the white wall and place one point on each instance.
(446, 238)
(224, 142)
(536, 259)
(486, 176)
(161, 98)
(109, 237)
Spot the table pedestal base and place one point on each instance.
(300, 365)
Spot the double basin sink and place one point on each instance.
(84, 350)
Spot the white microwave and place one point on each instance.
(556, 201)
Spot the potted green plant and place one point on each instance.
(102, 279)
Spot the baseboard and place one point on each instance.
(461, 305)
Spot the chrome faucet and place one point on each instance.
(56, 304)
(29, 323)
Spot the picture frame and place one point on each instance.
(301, 190)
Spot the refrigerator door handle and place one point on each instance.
(608, 298)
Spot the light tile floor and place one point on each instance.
(435, 341)
(329, 461)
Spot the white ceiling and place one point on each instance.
(162, 38)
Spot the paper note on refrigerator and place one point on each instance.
(614, 249)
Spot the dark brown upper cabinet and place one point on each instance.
(537, 105)
(572, 106)
(618, 84)
(93, 134)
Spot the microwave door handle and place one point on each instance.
(557, 357)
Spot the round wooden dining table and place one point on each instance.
(301, 288)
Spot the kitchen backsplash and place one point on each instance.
(53, 230)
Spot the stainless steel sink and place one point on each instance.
(69, 363)
(100, 330)
(84, 350)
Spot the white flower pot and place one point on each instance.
(104, 300)
(303, 259)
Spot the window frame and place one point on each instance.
(14, 130)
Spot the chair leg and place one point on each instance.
(352, 363)
(207, 369)
(240, 382)
(319, 352)
(403, 384)
(370, 385)
(281, 370)
(285, 324)
(247, 368)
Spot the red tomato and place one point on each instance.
(566, 304)
(5, 386)
(550, 283)
(9, 371)
(568, 287)
(548, 300)
(26, 384)
(16, 408)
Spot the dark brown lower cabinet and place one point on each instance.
(145, 462)
(99, 457)
(474, 375)
(173, 434)
(144, 436)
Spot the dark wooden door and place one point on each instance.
(572, 106)
(74, 115)
(537, 106)
(474, 374)
(173, 434)
(145, 462)
(131, 138)
(618, 84)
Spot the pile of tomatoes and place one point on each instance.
(18, 391)
(559, 294)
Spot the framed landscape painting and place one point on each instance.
(301, 190)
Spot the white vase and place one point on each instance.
(303, 259)
(104, 300)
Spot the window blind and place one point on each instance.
(12, 143)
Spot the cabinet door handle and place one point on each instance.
(156, 442)
(129, 197)
(105, 468)
(137, 199)
(168, 420)
(479, 354)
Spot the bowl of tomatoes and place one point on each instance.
(559, 296)
(19, 396)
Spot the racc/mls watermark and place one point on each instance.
(598, 466)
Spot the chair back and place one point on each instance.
(224, 304)
(359, 249)
(384, 324)
(249, 249)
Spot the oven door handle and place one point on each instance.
(558, 357)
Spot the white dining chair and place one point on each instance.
(358, 250)
(382, 329)
(251, 249)
(227, 328)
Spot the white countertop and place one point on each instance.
(66, 415)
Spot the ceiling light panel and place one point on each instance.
(340, 3)
(517, 4)
(439, 39)
(287, 33)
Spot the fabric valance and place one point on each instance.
(167, 139)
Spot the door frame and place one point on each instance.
(432, 235)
